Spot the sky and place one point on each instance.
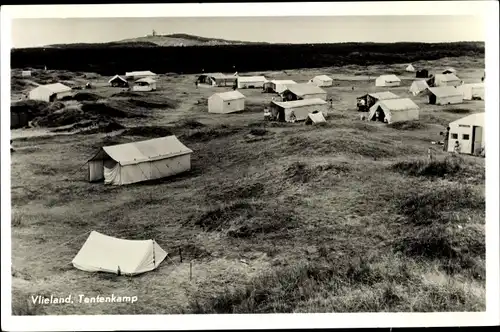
(332, 29)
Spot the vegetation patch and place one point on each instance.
(210, 133)
(457, 110)
(148, 131)
(408, 125)
(303, 173)
(450, 166)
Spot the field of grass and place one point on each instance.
(345, 217)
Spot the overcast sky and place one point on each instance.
(39, 32)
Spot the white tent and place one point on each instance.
(102, 253)
(321, 80)
(226, 102)
(278, 86)
(387, 80)
(50, 92)
(140, 161)
(445, 95)
(303, 91)
(410, 68)
(313, 118)
(469, 132)
(26, 73)
(117, 80)
(446, 80)
(472, 91)
(297, 110)
(140, 74)
(394, 110)
(251, 82)
(144, 84)
(418, 86)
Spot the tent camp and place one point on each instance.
(321, 80)
(139, 161)
(297, 110)
(217, 79)
(144, 84)
(50, 92)
(102, 253)
(134, 75)
(365, 102)
(251, 82)
(472, 91)
(410, 68)
(394, 110)
(418, 86)
(277, 86)
(449, 70)
(446, 80)
(444, 95)
(387, 80)
(314, 118)
(226, 102)
(469, 132)
(303, 91)
(118, 81)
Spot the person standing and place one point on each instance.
(456, 148)
(446, 139)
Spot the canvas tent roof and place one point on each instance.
(140, 73)
(315, 118)
(115, 77)
(382, 95)
(445, 91)
(473, 119)
(323, 77)
(252, 79)
(410, 67)
(447, 77)
(146, 80)
(230, 95)
(401, 104)
(450, 69)
(106, 254)
(421, 84)
(390, 78)
(138, 152)
(55, 87)
(219, 75)
(304, 89)
(283, 82)
(299, 103)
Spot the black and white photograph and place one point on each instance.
(286, 159)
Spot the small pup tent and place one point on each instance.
(297, 110)
(445, 95)
(387, 80)
(394, 110)
(118, 81)
(449, 70)
(140, 161)
(26, 73)
(314, 118)
(472, 91)
(365, 102)
(469, 133)
(134, 75)
(50, 92)
(144, 84)
(102, 253)
(277, 86)
(418, 86)
(446, 80)
(303, 91)
(226, 102)
(251, 82)
(321, 80)
(410, 68)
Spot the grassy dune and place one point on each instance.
(345, 217)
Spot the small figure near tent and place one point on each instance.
(352, 88)
(118, 272)
(235, 86)
(446, 139)
(196, 84)
(456, 148)
(267, 114)
(293, 118)
(88, 86)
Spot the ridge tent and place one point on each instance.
(50, 92)
(314, 118)
(366, 101)
(297, 110)
(445, 95)
(103, 253)
(418, 86)
(387, 80)
(140, 161)
(117, 80)
(249, 82)
(226, 102)
(139, 74)
(144, 84)
(410, 68)
(321, 80)
(394, 110)
(446, 80)
(303, 91)
(277, 86)
(472, 91)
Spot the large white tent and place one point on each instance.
(472, 91)
(297, 110)
(250, 82)
(445, 95)
(103, 253)
(394, 110)
(50, 92)
(140, 161)
(321, 80)
(410, 68)
(226, 102)
(469, 132)
(446, 80)
(303, 91)
(388, 80)
(418, 86)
